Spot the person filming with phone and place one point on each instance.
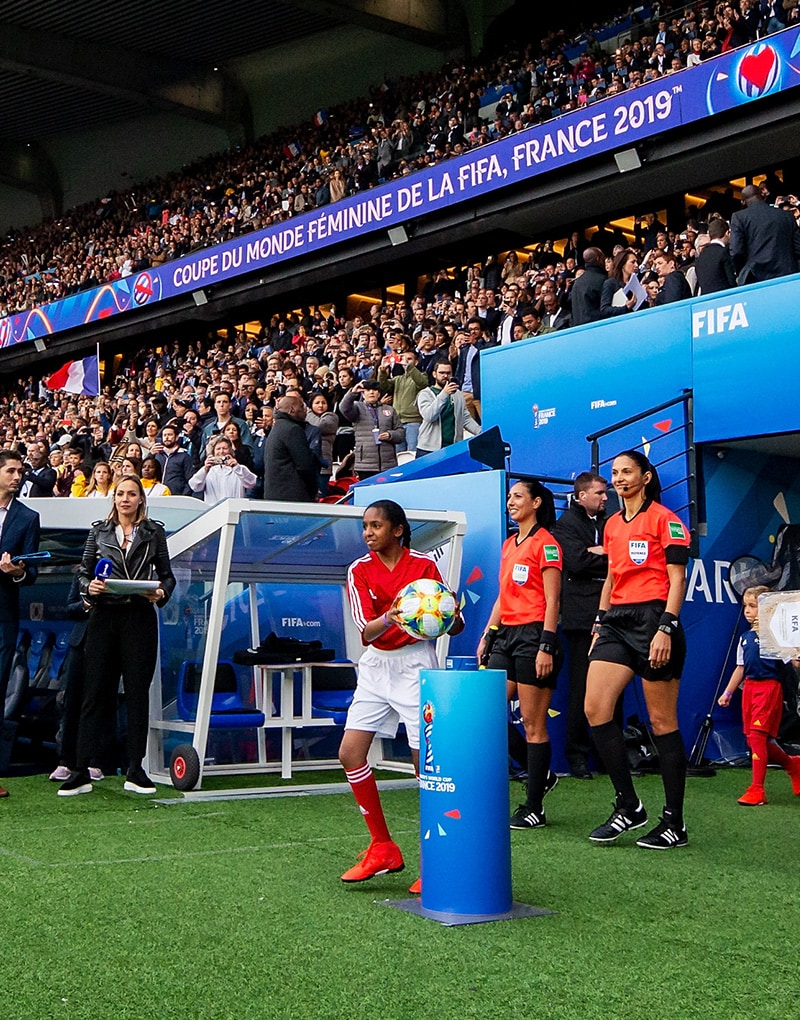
(222, 476)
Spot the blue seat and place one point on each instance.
(332, 689)
(331, 705)
(228, 710)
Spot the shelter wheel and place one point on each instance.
(184, 767)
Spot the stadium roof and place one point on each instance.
(67, 67)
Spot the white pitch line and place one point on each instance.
(105, 823)
(21, 858)
(155, 858)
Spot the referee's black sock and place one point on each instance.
(517, 747)
(610, 746)
(672, 761)
(538, 767)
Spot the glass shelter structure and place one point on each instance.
(247, 569)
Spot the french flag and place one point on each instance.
(292, 150)
(320, 117)
(80, 377)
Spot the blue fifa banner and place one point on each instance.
(744, 346)
(770, 66)
(465, 842)
(582, 380)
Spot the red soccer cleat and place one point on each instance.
(416, 888)
(753, 796)
(377, 859)
(794, 773)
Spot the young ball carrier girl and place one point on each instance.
(387, 692)
(762, 705)
(638, 632)
(525, 646)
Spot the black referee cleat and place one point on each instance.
(620, 821)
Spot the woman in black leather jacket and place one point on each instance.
(122, 636)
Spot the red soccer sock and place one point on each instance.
(365, 790)
(778, 756)
(758, 741)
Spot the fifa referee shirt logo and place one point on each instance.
(520, 573)
(638, 552)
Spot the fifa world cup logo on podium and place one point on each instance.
(427, 717)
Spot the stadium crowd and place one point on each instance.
(400, 127)
(404, 378)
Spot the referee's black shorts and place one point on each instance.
(515, 649)
(625, 636)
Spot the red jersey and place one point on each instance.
(639, 551)
(521, 587)
(372, 588)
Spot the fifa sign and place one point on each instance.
(719, 319)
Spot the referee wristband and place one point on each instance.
(668, 624)
(598, 620)
(547, 642)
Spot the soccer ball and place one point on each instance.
(427, 609)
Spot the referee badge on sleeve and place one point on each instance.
(676, 530)
(637, 550)
(551, 554)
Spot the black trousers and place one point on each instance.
(578, 742)
(121, 640)
(8, 648)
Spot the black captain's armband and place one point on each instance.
(677, 554)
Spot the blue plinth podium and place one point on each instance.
(465, 840)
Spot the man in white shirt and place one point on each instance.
(221, 476)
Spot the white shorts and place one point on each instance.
(387, 692)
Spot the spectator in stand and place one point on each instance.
(290, 468)
(764, 241)
(444, 413)
(403, 388)
(613, 298)
(100, 484)
(378, 429)
(222, 409)
(586, 294)
(221, 476)
(714, 265)
(40, 478)
(320, 415)
(151, 478)
(673, 283)
(176, 463)
(242, 452)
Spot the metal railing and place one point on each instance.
(687, 453)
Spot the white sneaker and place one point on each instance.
(95, 774)
(60, 774)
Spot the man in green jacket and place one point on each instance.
(404, 389)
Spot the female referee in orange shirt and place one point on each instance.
(638, 632)
(526, 647)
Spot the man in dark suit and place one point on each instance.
(555, 315)
(674, 286)
(579, 531)
(765, 241)
(714, 265)
(39, 479)
(467, 372)
(19, 534)
(588, 287)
